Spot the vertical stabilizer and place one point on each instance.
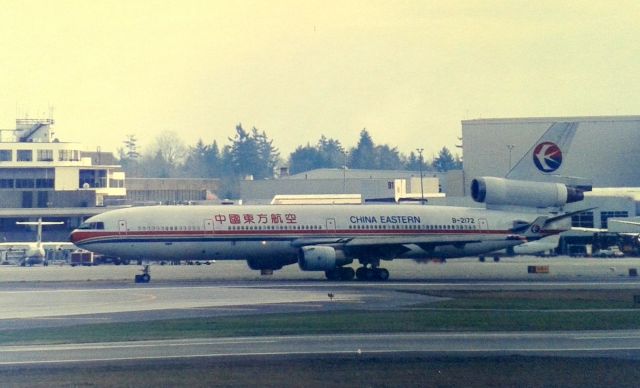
(39, 237)
(39, 225)
(544, 161)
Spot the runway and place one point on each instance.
(65, 297)
(508, 269)
(619, 344)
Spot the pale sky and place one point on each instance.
(408, 71)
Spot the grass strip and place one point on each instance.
(335, 322)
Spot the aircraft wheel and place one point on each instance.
(370, 274)
(481, 259)
(496, 259)
(347, 273)
(361, 273)
(146, 278)
(382, 274)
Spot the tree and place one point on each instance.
(164, 158)
(362, 156)
(445, 161)
(170, 147)
(412, 163)
(129, 156)
(331, 153)
(387, 158)
(195, 164)
(268, 155)
(252, 154)
(131, 147)
(305, 159)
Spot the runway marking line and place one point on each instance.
(357, 352)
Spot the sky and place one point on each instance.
(407, 71)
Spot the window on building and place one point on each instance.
(582, 220)
(45, 155)
(64, 155)
(25, 183)
(119, 183)
(43, 199)
(6, 183)
(44, 183)
(27, 199)
(6, 155)
(604, 217)
(25, 155)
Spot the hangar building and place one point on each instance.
(605, 149)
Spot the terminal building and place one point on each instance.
(39, 171)
(43, 177)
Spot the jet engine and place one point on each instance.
(500, 191)
(320, 258)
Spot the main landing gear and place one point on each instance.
(340, 273)
(372, 273)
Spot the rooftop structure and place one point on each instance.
(38, 170)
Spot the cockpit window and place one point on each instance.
(92, 225)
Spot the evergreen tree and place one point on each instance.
(331, 153)
(305, 159)
(129, 156)
(444, 161)
(362, 156)
(252, 154)
(195, 164)
(413, 162)
(387, 158)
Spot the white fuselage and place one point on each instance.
(278, 231)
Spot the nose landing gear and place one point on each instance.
(145, 276)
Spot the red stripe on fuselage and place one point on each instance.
(77, 237)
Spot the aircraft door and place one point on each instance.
(331, 224)
(122, 227)
(483, 224)
(208, 225)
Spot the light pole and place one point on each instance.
(344, 173)
(421, 184)
(510, 147)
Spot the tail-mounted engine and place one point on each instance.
(320, 258)
(500, 191)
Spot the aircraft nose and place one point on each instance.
(73, 236)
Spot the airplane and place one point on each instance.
(330, 237)
(35, 252)
(317, 237)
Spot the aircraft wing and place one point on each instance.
(587, 230)
(10, 246)
(432, 240)
(58, 245)
(628, 222)
(392, 246)
(421, 240)
(14, 246)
